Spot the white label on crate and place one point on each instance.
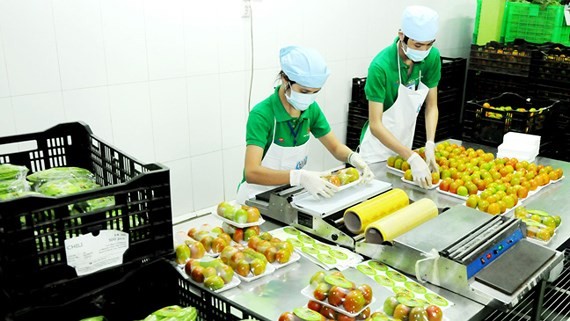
(567, 14)
(88, 253)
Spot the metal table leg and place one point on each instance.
(538, 300)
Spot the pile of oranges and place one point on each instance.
(490, 184)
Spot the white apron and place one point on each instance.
(400, 120)
(278, 158)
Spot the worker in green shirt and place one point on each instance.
(279, 128)
(400, 79)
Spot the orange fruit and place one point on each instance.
(522, 192)
(483, 205)
(553, 176)
(333, 179)
(546, 178)
(559, 172)
(543, 234)
(494, 209)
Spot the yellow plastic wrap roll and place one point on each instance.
(356, 218)
(401, 221)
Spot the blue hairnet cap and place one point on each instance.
(420, 23)
(304, 66)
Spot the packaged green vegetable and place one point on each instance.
(14, 185)
(97, 318)
(173, 313)
(13, 195)
(58, 173)
(99, 203)
(11, 172)
(63, 187)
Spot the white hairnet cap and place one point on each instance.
(304, 66)
(420, 23)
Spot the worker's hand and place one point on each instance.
(313, 183)
(420, 170)
(356, 160)
(430, 157)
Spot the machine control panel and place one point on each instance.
(493, 252)
(305, 220)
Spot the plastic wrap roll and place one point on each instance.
(401, 221)
(356, 218)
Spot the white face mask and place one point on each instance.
(416, 55)
(299, 100)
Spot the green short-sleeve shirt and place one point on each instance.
(270, 114)
(383, 80)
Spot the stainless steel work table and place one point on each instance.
(281, 291)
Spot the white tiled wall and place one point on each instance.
(168, 81)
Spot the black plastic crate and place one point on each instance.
(490, 125)
(33, 229)
(358, 94)
(481, 85)
(451, 94)
(139, 293)
(553, 65)
(452, 73)
(509, 59)
(358, 108)
(552, 90)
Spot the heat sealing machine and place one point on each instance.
(322, 218)
(482, 257)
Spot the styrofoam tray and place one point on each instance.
(393, 169)
(343, 187)
(541, 242)
(240, 225)
(294, 258)
(235, 280)
(414, 183)
(556, 181)
(269, 268)
(453, 195)
(308, 292)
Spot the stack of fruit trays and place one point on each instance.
(210, 272)
(239, 216)
(335, 297)
(402, 308)
(322, 254)
(196, 252)
(241, 222)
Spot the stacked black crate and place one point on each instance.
(357, 113)
(551, 78)
(494, 69)
(449, 101)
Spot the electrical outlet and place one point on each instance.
(246, 10)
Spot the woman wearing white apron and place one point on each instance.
(279, 128)
(400, 78)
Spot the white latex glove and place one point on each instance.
(356, 160)
(430, 156)
(313, 183)
(420, 170)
